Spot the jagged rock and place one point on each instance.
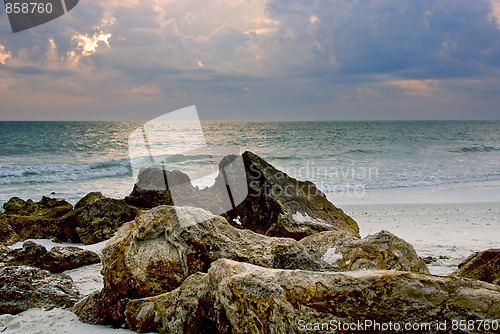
(47, 207)
(484, 266)
(96, 219)
(88, 199)
(238, 297)
(15, 205)
(7, 234)
(35, 227)
(23, 287)
(163, 246)
(57, 260)
(383, 250)
(28, 220)
(276, 204)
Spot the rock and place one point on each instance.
(429, 259)
(27, 220)
(47, 207)
(343, 252)
(483, 266)
(163, 246)
(57, 260)
(14, 206)
(36, 227)
(276, 204)
(88, 199)
(239, 297)
(96, 219)
(151, 188)
(23, 287)
(7, 234)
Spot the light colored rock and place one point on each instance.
(163, 246)
(344, 252)
(238, 297)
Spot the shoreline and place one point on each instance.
(449, 232)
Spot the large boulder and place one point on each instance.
(279, 205)
(383, 250)
(96, 218)
(237, 297)
(56, 260)
(24, 287)
(484, 266)
(163, 246)
(275, 203)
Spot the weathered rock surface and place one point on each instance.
(96, 218)
(163, 246)
(7, 234)
(56, 260)
(28, 220)
(32, 227)
(483, 266)
(383, 250)
(276, 204)
(47, 207)
(238, 297)
(24, 287)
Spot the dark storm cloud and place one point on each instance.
(424, 38)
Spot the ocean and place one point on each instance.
(69, 159)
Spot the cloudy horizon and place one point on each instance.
(256, 60)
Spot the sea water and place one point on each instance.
(69, 159)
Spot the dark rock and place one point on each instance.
(429, 259)
(57, 260)
(47, 207)
(239, 297)
(343, 252)
(23, 287)
(276, 204)
(36, 227)
(96, 219)
(7, 234)
(88, 199)
(483, 266)
(14, 206)
(28, 220)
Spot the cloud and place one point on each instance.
(404, 37)
(278, 57)
(422, 88)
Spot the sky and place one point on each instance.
(256, 60)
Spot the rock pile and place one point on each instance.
(235, 297)
(160, 249)
(276, 204)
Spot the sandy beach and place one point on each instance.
(447, 222)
